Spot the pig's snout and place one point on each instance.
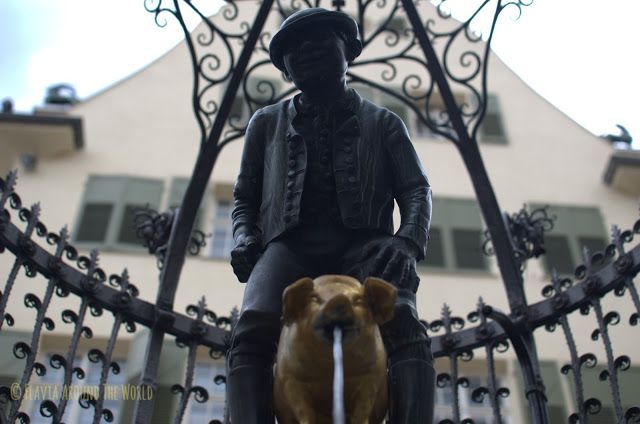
(337, 312)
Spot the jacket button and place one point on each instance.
(324, 159)
(290, 184)
(292, 162)
(352, 179)
(348, 159)
(289, 195)
(291, 174)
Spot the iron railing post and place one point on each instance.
(183, 224)
(502, 244)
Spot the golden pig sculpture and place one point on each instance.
(304, 365)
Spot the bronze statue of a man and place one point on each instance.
(315, 195)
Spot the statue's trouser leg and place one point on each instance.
(255, 336)
(411, 372)
(250, 377)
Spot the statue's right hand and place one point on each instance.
(244, 256)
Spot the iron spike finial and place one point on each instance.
(125, 277)
(64, 233)
(338, 4)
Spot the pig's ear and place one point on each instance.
(295, 298)
(381, 297)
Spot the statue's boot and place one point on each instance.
(250, 394)
(250, 362)
(411, 372)
(411, 392)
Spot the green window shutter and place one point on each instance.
(398, 24)
(558, 255)
(137, 193)
(456, 235)
(556, 414)
(574, 228)
(99, 206)
(492, 125)
(177, 189)
(94, 222)
(127, 233)
(238, 114)
(593, 244)
(435, 250)
(594, 387)
(468, 249)
(263, 90)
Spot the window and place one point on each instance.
(177, 189)
(107, 215)
(398, 24)
(222, 239)
(596, 388)
(261, 91)
(456, 235)
(74, 413)
(437, 112)
(481, 413)
(204, 376)
(575, 227)
(492, 129)
(107, 211)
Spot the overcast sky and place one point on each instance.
(582, 55)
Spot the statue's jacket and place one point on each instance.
(373, 159)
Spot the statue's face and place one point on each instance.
(316, 58)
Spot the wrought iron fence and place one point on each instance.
(60, 271)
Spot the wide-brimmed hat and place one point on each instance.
(298, 21)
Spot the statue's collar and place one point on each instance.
(347, 101)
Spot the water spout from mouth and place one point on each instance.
(338, 377)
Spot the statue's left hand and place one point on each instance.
(395, 259)
(244, 256)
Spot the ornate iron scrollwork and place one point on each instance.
(154, 229)
(527, 229)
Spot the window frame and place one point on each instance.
(119, 191)
(580, 221)
(222, 193)
(452, 213)
(493, 110)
